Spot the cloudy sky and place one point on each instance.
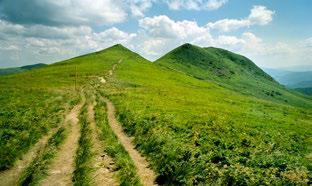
(274, 34)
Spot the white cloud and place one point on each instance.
(113, 36)
(273, 55)
(163, 26)
(307, 43)
(63, 12)
(253, 44)
(259, 15)
(229, 40)
(97, 12)
(10, 48)
(195, 4)
(226, 25)
(41, 31)
(154, 47)
(138, 7)
(215, 4)
(38, 43)
(6, 27)
(161, 34)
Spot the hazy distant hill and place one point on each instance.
(292, 79)
(5, 71)
(307, 90)
(299, 81)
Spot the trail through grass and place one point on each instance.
(37, 169)
(103, 165)
(124, 165)
(61, 169)
(146, 175)
(11, 176)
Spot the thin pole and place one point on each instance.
(75, 78)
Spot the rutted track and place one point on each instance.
(147, 175)
(101, 162)
(11, 176)
(62, 167)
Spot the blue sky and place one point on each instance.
(273, 33)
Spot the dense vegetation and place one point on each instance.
(200, 115)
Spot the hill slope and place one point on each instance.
(228, 70)
(197, 132)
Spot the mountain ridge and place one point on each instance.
(5, 71)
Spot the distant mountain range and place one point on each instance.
(300, 81)
(13, 70)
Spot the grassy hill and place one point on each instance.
(200, 115)
(229, 70)
(5, 71)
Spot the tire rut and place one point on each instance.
(11, 176)
(61, 169)
(102, 163)
(147, 175)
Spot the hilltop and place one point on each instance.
(216, 62)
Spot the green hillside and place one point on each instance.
(201, 116)
(228, 70)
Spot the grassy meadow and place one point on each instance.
(194, 125)
(198, 132)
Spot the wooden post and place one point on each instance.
(75, 78)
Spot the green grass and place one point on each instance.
(84, 154)
(126, 170)
(196, 123)
(25, 116)
(33, 102)
(229, 70)
(197, 132)
(37, 169)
